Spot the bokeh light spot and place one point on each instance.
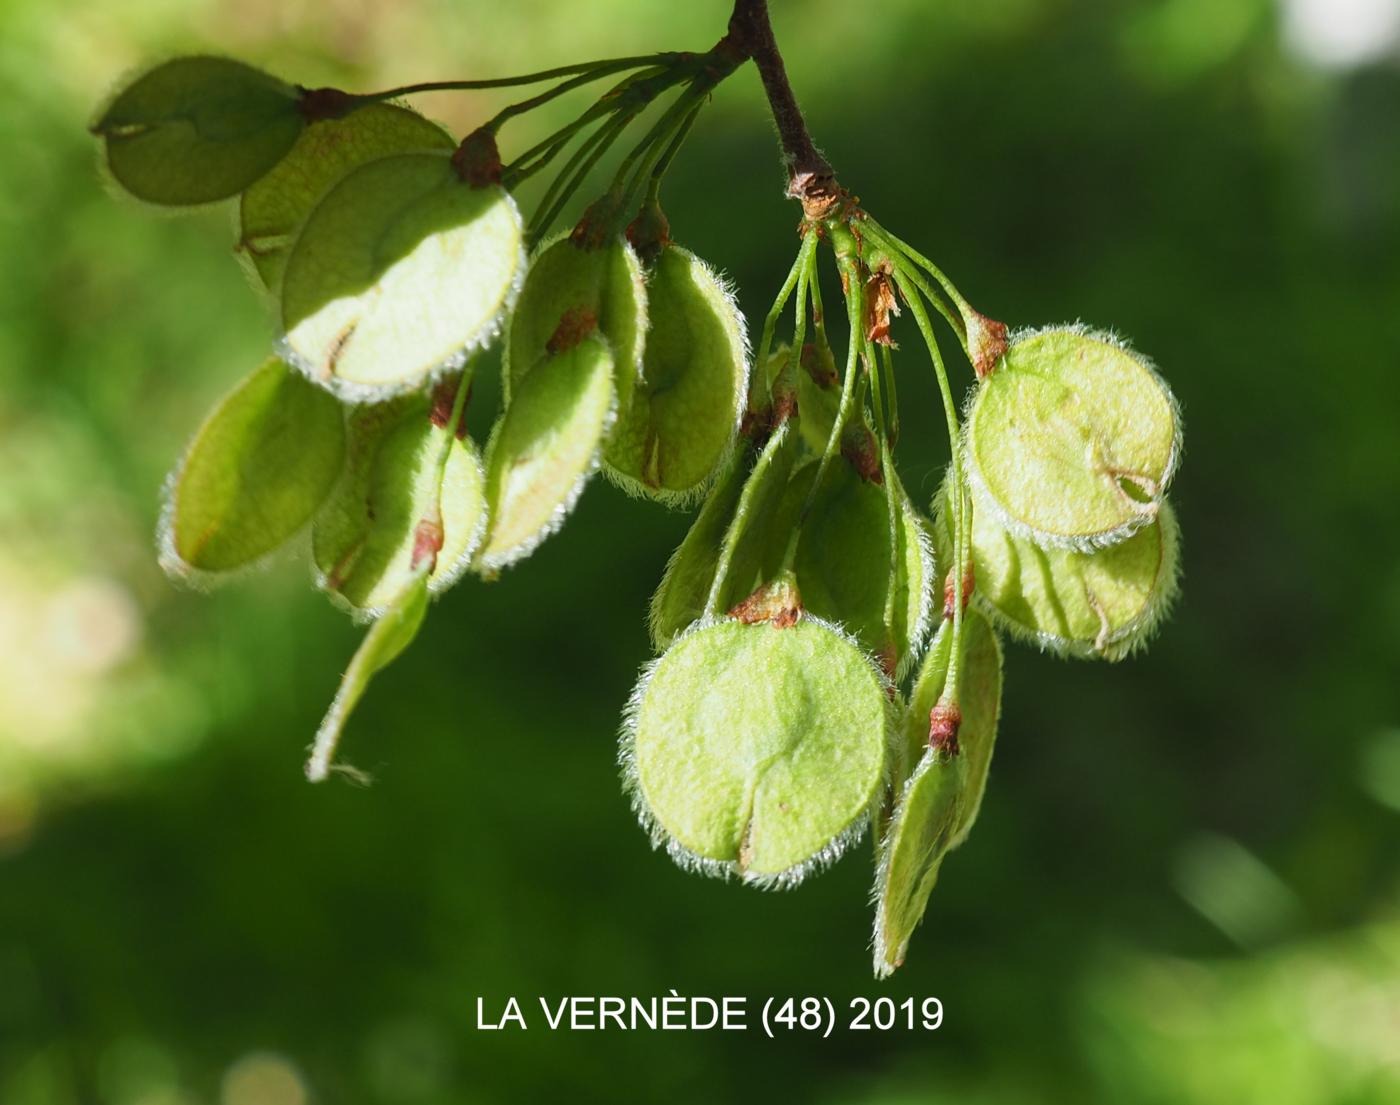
(1380, 767)
(262, 1078)
(1235, 890)
(1341, 34)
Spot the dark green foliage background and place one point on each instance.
(171, 888)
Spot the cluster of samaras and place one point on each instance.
(787, 709)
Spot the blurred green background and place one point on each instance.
(1185, 883)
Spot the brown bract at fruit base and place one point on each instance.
(944, 721)
(478, 160)
(427, 543)
(880, 305)
(987, 342)
(969, 582)
(318, 104)
(859, 447)
(444, 399)
(819, 365)
(887, 656)
(777, 603)
(577, 324)
(649, 233)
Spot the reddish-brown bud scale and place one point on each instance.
(577, 324)
(477, 160)
(862, 451)
(969, 582)
(649, 233)
(777, 603)
(821, 197)
(820, 367)
(987, 342)
(326, 103)
(592, 230)
(427, 543)
(888, 659)
(944, 721)
(880, 307)
(757, 424)
(444, 399)
(784, 403)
